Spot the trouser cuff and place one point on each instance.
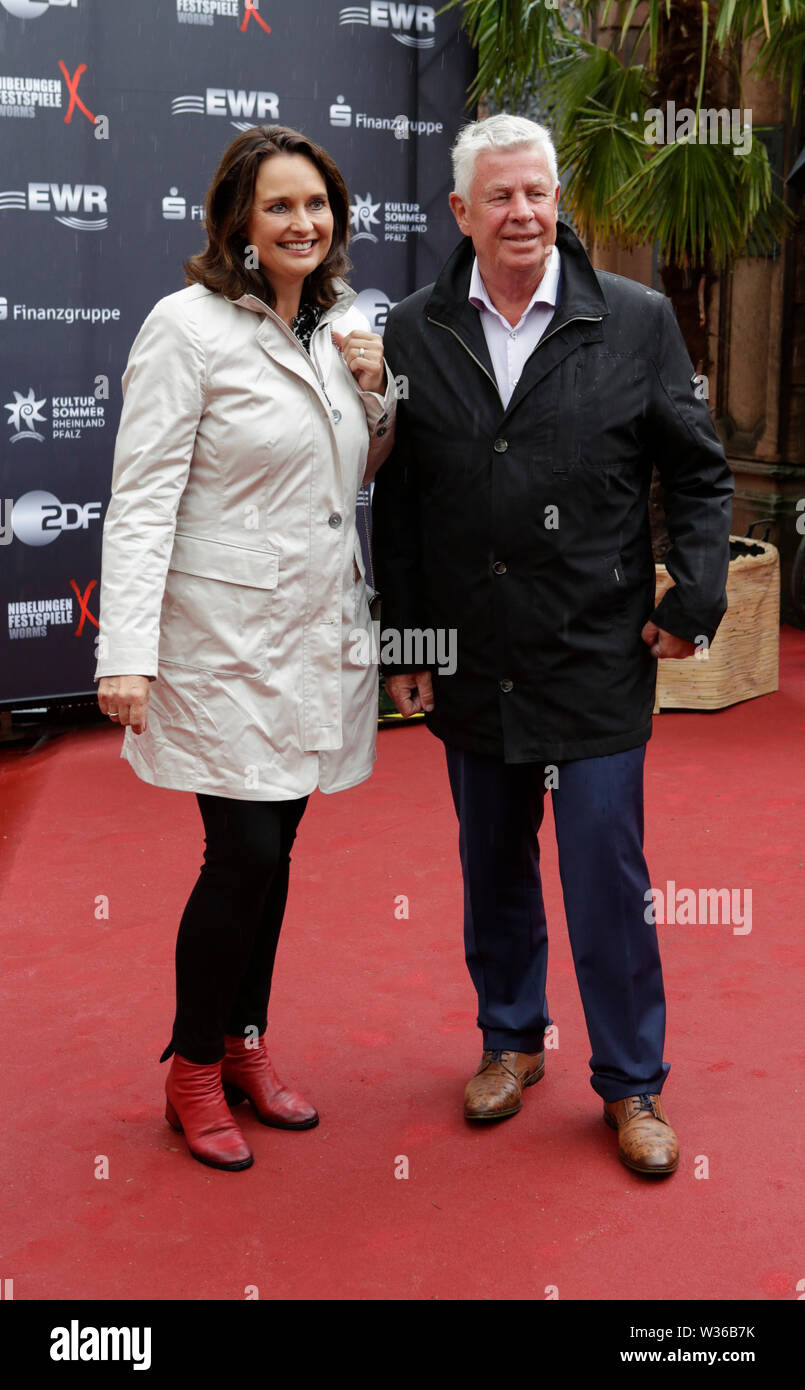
(495, 1038)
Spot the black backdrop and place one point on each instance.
(113, 115)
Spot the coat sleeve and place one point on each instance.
(163, 400)
(380, 409)
(395, 522)
(381, 414)
(698, 487)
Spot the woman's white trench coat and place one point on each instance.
(232, 573)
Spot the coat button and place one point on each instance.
(506, 686)
(381, 429)
(499, 567)
(335, 519)
(336, 416)
(500, 446)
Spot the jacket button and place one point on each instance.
(500, 446)
(506, 686)
(381, 429)
(499, 567)
(336, 416)
(335, 519)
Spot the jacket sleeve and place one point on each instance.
(380, 409)
(381, 412)
(395, 522)
(163, 400)
(698, 487)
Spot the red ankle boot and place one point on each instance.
(247, 1074)
(196, 1108)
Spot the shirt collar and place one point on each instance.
(545, 293)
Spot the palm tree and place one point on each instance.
(701, 189)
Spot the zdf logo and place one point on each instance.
(32, 9)
(37, 518)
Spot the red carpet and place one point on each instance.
(373, 1016)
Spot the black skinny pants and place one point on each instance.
(230, 927)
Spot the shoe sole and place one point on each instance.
(234, 1097)
(634, 1167)
(235, 1167)
(504, 1114)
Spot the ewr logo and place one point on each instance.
(226, 101)
(60, 198)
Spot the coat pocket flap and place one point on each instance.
(256, 569)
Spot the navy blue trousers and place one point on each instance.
(598, 812)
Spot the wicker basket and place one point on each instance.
(743, 661)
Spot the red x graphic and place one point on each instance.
(72, 87)
(251, 9)
(83, 600)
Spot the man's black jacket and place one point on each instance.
(526, 530)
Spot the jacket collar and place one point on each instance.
(345, 296)
(581, 295)
(580, 309)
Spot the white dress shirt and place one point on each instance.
(510, 347)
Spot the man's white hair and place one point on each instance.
(503, 132)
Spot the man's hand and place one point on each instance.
(411, 693)
(664, 644)
(363, 354)
(125, 700)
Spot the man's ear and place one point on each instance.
(458, 207)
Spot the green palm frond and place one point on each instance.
(584, 77)
(601, 153)
(780, 27)
(514, 40)
(695, 199)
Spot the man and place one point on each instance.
(513, 509)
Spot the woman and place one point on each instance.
(255, 402)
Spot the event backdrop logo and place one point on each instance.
(24, 96)
(71, 416)
(32, 9)
(401, 126)
(23, 412)
(174, 207)
(399, 220)
(61, 198)
(38, 518)
(376, 306)
(35, 617)
(207, 11)
(225, 101)
(398, 18)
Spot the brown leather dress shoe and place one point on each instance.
(646, 1141)
(496, 1090)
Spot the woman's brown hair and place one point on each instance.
(222, 266)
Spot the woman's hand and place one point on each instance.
(363, 354)
(125, 700)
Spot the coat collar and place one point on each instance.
(345, 297)
(580, 309)
(580, 293)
